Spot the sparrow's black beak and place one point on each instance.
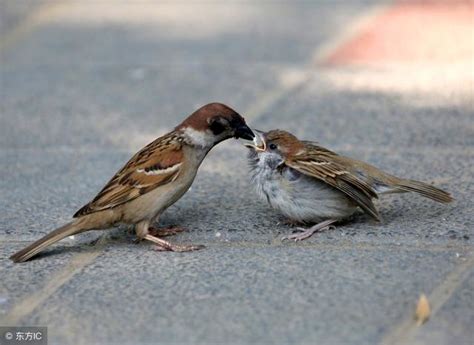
(258, 142)
(244, 132)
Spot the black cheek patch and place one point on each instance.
(217, 128)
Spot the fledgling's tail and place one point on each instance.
(424, 189)
(66, 230)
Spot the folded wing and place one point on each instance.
(155, 165)
(322, 164)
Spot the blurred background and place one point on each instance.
(85, 83)
(94, 65)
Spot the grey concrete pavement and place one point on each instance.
(85, 84)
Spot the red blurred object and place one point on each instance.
(431, 31)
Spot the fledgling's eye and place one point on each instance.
(272, 146)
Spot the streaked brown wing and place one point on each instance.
(319, 163)
(155, 165)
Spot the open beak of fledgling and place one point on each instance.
(258, 142)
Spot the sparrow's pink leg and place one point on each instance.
(142, 229)
(163, 232)
(163, 245)
(326, 225)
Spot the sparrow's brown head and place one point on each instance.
(214, 123)
(278, 142)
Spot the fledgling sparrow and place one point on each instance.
(152, 180)
(308, 183)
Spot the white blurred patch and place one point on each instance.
(137, 74)
(187, 19)
(419, 85)
(291, 77)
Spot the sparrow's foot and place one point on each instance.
(305, 233)
(163, 232)
(163, 245)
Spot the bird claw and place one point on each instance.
(305, 233)
(167, 246)
(299, 236)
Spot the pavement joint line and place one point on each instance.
(347, 245)
(405, 331)
(44, 13)
(319, 56)
(275, 242)
(31, 302)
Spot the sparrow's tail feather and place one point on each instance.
(66, 230)
(424, 189)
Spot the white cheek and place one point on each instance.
(200, 138)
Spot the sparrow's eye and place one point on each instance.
(272, 146)
(217, 127)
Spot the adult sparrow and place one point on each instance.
(152, 180)
(308, 183)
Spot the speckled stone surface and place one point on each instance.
(242, 294)
(79, 97)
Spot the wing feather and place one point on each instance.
(321, 164)
(157, 164)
